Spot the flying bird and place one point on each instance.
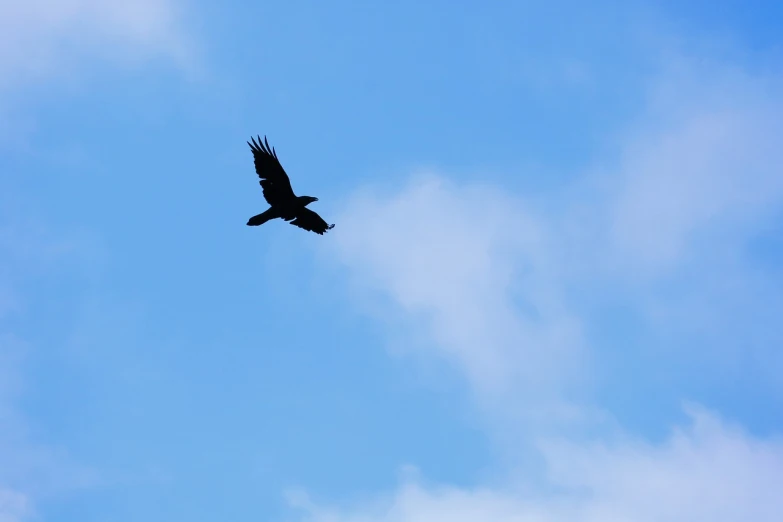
(278, 193)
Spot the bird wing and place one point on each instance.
(274, 181)
(311, 221)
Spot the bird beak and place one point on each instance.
(315, 199)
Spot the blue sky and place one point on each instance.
(553, 291)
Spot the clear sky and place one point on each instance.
(554, 291)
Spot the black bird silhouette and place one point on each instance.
(279, 194)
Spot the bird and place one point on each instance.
(278, 193)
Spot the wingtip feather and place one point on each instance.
(262, 145)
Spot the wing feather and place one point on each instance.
(311, 221)
(273, 179)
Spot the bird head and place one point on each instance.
(309, 199)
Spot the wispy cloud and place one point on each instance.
(45, 37)
(14, 506)
(31, 468)
(496, 278)
(705, 159)
(40, 42)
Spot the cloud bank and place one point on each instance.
(707, 471)
(511, 292)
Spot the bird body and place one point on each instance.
(276, 186)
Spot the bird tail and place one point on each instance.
(260, 219)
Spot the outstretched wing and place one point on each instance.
(309, 220)
(274, 181)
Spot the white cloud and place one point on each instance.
(476, 267)
(14, 506)
(42, 38)
(505, 289)
(48, 41)
(707, 472)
